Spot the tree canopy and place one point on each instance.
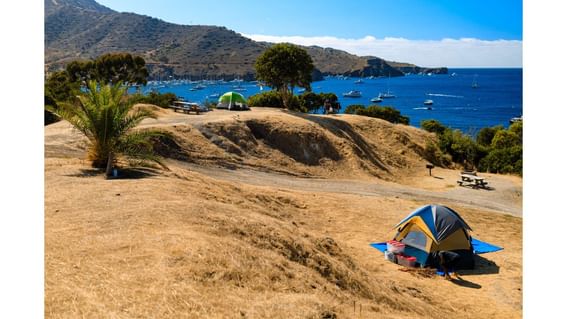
(109, 68)
(285, 66)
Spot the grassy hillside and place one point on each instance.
(237, 228)
(83, 29)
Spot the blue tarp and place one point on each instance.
(479, 247)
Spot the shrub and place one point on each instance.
(310, 102)
(354, 108)
(435, 156)
(306, 102)
(517, 128)
(266, 99)
(486, 134)
(505, 139)
(387, 113)
(433, 126)
(459, 146)
(507, 160)
(155, 98)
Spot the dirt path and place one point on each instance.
(494, 200)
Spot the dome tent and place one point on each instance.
(433, 228)
(232, 101)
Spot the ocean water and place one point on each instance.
(456, 103)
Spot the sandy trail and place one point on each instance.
(487, 199)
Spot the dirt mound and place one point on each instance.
(159, 111)
(300, 144)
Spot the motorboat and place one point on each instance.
(516, 119)
(428, 102)
(376, 99)
(352, 93)
(359, 81)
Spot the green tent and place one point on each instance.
(232, 101)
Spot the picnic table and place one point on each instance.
(472, 180)
(186, 107)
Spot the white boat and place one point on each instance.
(359, 81)
(376, 99)
(214, 95)
(301, 90)
(428, 102)
(353, 93)
(387, 95)
(516, 119)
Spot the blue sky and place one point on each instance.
(439, 32)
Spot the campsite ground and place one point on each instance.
(267, 214)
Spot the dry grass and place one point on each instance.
(183, 244)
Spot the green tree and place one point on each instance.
(285, 66)
(109, 68)
(120, 67)
(80, 71)
(108, 120)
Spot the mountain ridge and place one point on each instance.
(84, 29)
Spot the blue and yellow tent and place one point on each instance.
(433, 228)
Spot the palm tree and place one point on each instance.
(108, 120)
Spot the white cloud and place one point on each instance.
(464, 52)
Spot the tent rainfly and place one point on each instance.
(433, 228)
(232, 101)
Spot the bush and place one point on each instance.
(155, 98)
(485, 135)
(310, 102)
(387, 113)
(505, 139)
(266, 99)
(305, 102)
(433, 126)
(495, 150)
(507, 160)
(435, 156)
(517, 128)
(354, 108)
(460, 147)
(49, 117)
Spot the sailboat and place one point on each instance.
(387, 95)
(474, 83)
